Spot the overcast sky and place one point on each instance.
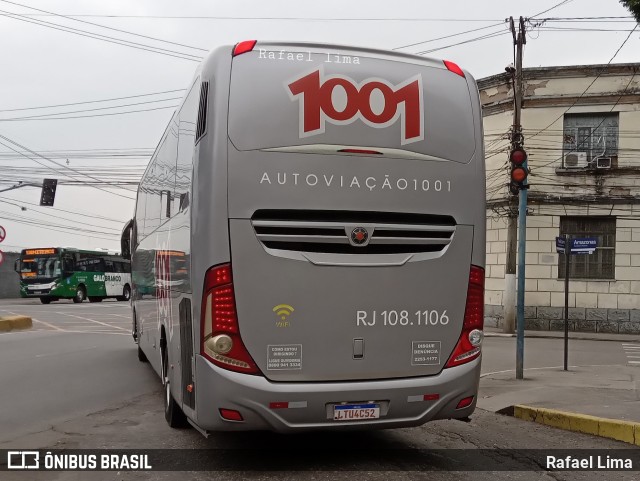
(44, 66)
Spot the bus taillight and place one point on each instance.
(468, 346)
(221, 341)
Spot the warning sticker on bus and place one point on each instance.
(425, 353)
(284, 357)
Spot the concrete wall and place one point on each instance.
(9, 281)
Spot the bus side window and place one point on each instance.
(109, 266)
(68, 264)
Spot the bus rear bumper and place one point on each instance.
(402, 401)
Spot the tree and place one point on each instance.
(633, 6)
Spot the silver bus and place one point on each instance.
(308, 244)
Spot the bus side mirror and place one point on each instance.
(125, 240)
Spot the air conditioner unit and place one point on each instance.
(575, 160)
(603, 163)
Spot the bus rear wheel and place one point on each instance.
(126, 294)
(172, 412)
(80, 296)
(45, 300)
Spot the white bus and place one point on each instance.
(308, 244)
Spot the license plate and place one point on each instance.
(36, 292)
(356, 412)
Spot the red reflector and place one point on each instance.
(360, 151)
(231, 415)
(453, 67)
(465, 403)
(244, 47)
(279, 405)
(431, 397)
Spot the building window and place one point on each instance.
(590, 140)
(600, 264)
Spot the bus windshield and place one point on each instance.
(40, 267)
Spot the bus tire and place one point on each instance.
(172, 412)
(95, 299)
(142, 357)
(126, 293)
(45, 300)
(81, 295)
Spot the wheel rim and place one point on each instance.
(127, 294)
(80, 295)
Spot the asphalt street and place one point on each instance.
(74, 381)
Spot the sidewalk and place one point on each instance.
(600, 400)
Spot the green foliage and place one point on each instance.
(633, 6)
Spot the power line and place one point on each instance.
(104, 26)
(77, 213)
(94, 101)
(552, 8)
(483, 37)
(74, 221)
(449, 36)
(53, 162)
(27, 119)
(104, 38)
(92, 110)
(320, 19)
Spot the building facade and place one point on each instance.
(581, 130)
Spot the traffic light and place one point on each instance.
(48, 192)
(519, 172)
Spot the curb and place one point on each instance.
(625, 431)
(10, 323)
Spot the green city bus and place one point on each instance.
(53, 273)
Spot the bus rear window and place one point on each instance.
(315, 98)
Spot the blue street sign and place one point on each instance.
(584, 245)
(581, 245)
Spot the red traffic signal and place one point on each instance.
(519, 172)
(518, 156)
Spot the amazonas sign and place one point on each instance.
(374, 101)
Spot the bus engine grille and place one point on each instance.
(340, 232)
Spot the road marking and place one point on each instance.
(93, 320)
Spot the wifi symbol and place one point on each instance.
(283, 310)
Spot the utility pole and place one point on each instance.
(517, 141)
(509, 296)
